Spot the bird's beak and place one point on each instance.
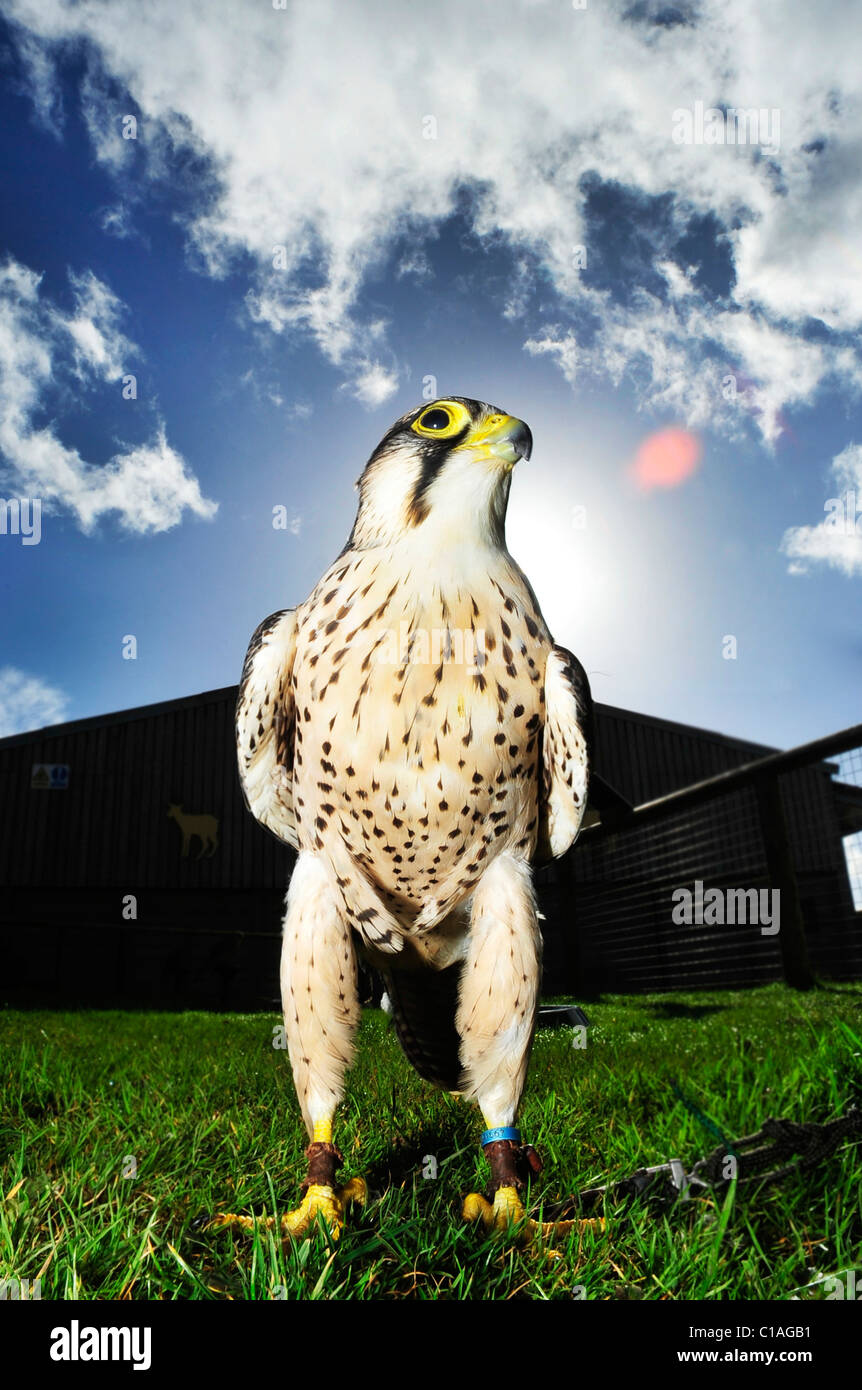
(503, 436)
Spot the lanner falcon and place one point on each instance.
(414, 732)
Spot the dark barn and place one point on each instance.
(133, 876)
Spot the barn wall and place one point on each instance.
(206, 929)
(111, 826)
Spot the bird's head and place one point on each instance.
(443, 472)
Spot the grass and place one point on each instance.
(204, 1105)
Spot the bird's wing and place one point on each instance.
(566, 752)
(265, 720)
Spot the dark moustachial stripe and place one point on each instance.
(434, 453)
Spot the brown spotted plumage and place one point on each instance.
(413, 731)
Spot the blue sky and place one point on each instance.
(490, 196)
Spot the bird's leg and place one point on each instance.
(321, 1014)
(320, 1193)
(495, 1020)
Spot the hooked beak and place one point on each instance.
(504, 436)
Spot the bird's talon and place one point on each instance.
(476, 1208)
(319, 1200)
(224, 1219)
(356, 1190)
(508, 1211)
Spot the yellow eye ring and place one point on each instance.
(441, 420)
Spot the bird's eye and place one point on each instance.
(435, 419)
(442, 420)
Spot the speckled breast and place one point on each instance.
(419, 712)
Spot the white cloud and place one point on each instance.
(415, 263)
(99, 346)
(374, 384)
(116, 221)
(709, 366)
(835, 541)
(40, 82)
(147, 486)
(679, 282)
(28, 702)
(559, 344)
(313, 122)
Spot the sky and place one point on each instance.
(238, 241)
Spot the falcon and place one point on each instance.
(415, 734)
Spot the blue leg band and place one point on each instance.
(492, 1136)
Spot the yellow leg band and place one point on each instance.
(323, 1132)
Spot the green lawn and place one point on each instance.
(204, 1105)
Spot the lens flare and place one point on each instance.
(666, 458)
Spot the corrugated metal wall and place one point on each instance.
(68, 858)
(111, 827)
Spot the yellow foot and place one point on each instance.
(508, 1211)
(327, 1202)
